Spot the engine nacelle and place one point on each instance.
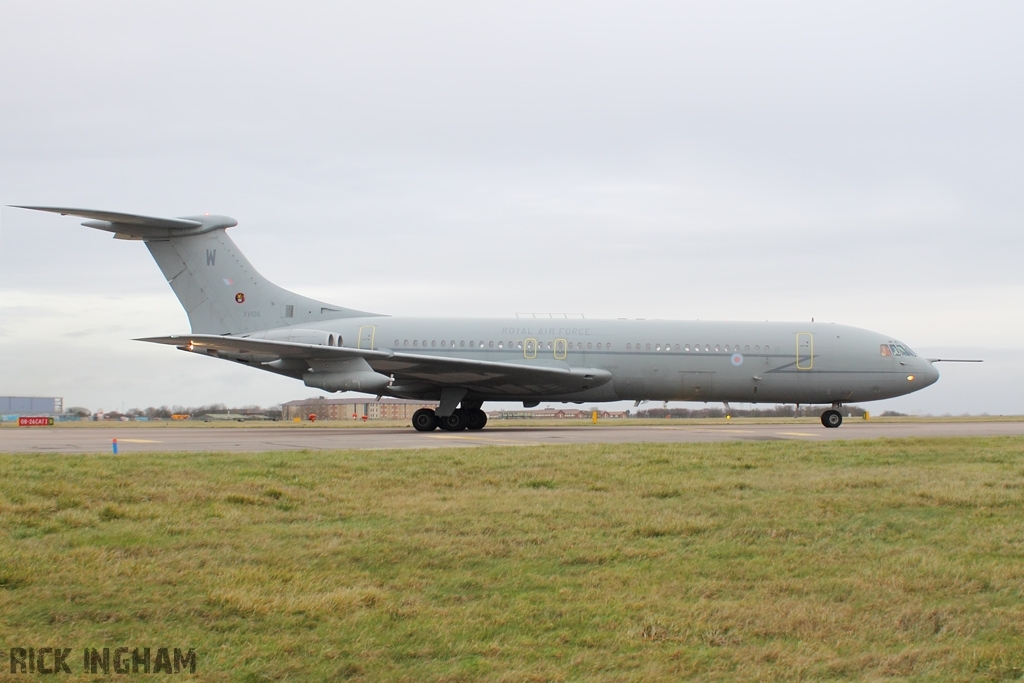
(354, 374)
(300, 336)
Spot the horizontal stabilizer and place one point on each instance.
(133, 226)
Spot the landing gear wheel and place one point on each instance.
(831, 418)
(453, 423)
(424, 420)
(475, 419)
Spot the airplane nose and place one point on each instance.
(928, 374)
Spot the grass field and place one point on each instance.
(757, 561)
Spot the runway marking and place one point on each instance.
(481, 439)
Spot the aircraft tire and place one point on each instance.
(476, 419)
(424, 420)
(831, 419)
(455, 422)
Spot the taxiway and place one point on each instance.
(136, 439)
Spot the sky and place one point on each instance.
(855, 162)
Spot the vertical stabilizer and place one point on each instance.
(217, 286)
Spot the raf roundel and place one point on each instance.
(737, 359)
(240, 298)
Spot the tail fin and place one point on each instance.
(217, 286)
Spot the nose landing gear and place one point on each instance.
(831, 418)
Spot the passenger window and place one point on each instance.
(686, 348)
(629, 347)
(396, 343)
(716, 348)
(727, 348)
(746, 347)
(415, 342)
(442, 343)
(406, 343)
(511, 344)
(757, 347)
(472, 344)
(657, 347)
(648, 347)
(490, 345)
(501, 345)
(462, 344)
(608, 347)
(598, 346)
(707, 348)
(677, 347)
(519, 345)
(579, 346)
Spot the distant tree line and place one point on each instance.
(782, 410)
(165, 412)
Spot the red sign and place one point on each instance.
(35, 421)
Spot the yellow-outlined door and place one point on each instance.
(366, 334)
(530, 348)
(804, 351)
(560, 346)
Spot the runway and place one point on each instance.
(140, 439)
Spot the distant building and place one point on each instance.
(30, 405)
(345, 408)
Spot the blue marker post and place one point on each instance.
(114, 446)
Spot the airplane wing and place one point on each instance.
(412, 372)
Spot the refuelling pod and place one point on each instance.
(354, 374)
(299, 336)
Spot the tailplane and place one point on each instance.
(217, 286)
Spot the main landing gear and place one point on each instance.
(425, 420)
(832, 418)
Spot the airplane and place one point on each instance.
(237, 315)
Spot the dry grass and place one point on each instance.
(767, 561)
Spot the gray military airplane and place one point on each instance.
(237, 315)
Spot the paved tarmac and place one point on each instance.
(135, 439)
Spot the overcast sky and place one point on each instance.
(852, 162)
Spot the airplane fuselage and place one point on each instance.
(758, 362)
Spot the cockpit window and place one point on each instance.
(893, 349)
